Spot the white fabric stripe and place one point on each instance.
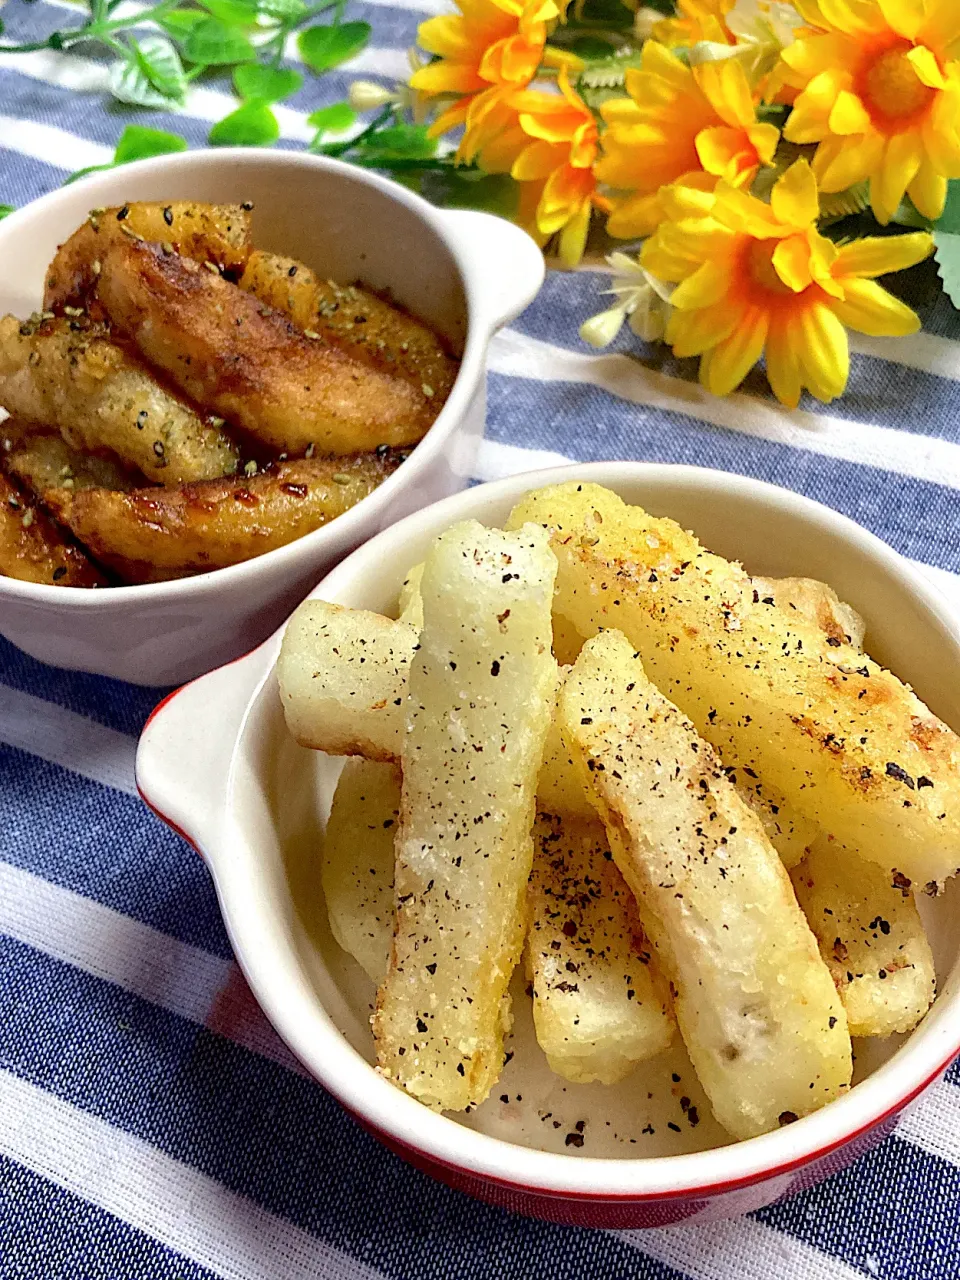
(515, 355)
(83, 746)
(51, 145)
(926, 352)
(184, 1209)
(182, 979)
(83, 75)
(933, 1124)
(740, 1249)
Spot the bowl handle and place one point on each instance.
(505, 266)
(187, 745)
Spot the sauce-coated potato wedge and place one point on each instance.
(754, 1001)
(148, 535)
(343, 678)
(218, 233)
(844, 741)
(354, 319)
(480, 696)
(357, 868)
(870, 937)
(247, 363)
(46, 464)
(33, 549)
(598, 1006)
(65, 374)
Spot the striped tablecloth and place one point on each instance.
(151, 1125)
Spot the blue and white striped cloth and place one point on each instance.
(151, 1124)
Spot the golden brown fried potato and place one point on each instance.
(754, 1001)
(238, 358)
(599, 1004)
(149, 535)
(218, 233)
(356, 320)
(67, 374)
(33, 549)
(45, 463)
(847, 744)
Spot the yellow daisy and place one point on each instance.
(678, 124)
(696, 20)
(755, 278)
(557, 160)
(881, 95)
(484, 54)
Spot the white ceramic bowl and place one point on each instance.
(217, 763)
(465, 273)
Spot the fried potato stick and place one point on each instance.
(480, 696)
(65, 374)
(598, 1006)
(754, 1001)
(844, 741)
(247, 363)
(871, 939)
(358, 863)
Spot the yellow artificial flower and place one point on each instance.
(881, 95)
(696, 20)
(678, 124)
(754, 277)
(561, 146)
(485, 53)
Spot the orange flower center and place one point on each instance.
(762, 270)
(891, 88)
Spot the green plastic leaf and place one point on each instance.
(252, 125)
(180, 22)
(324, 47)
(137, 142)
(908, 215)
(6, 210)
(212, 43)
(254, 82)
(949, 220)
(289, 10)
(948, 264)
(454, 188)
(151, 76)
(401, 141)
(333, 119)
(844, 204)
(82, 173)
(234, 13)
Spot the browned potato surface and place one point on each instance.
(45, 463)
(67, 374)
(354, 319)
(148, 535)
(218, 233)
(238, 358)
(33, 549)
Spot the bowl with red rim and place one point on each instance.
(465, 273)
(217, 764)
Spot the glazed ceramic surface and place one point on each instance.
(217, 763)
(465, 273)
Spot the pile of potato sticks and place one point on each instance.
(186, 401)
(711, 818)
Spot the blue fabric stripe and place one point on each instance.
(106, 846)
(893, 1214)
(268, 1134)
(916, 517)
(118, 706)
(46, 1231)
